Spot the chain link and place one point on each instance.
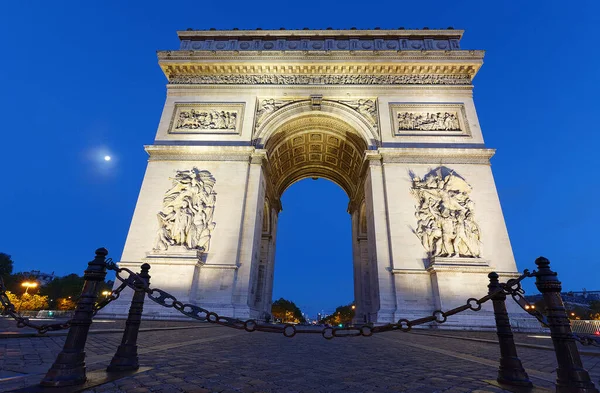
(9, 309)
(165, 299)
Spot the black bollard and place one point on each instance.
(126, 357)
(69, 366)
(571, 377)
(511, 371)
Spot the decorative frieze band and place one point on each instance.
(207, 118)
(429, 119)
(366, 107)
(347, 79)
(316, 44)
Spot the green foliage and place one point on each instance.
(286, 311)
(28, 302)
(67, 287)
(342, 314)
(6, 265)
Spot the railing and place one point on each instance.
(69, 367)
(586, 327)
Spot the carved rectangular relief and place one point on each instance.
(207, 118)
(418, 119)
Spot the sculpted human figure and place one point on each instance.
(448, 233)
(462, 242)
(183, 225)
(165, 227)
(188, 206)
(445, 223)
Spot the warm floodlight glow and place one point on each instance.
(105, 293)
(28, 284)
(106, 158)
(353, 307)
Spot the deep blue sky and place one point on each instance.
(81, 78)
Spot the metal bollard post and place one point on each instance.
(126, 357)
(69, 366)
(571, 377)
(511, 371)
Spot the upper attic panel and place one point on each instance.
(319, 40)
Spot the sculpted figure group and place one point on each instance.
(364, 106)
(425, 121)
(218, 120)
(445, 222)
(186, 217)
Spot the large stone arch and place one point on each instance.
(314, 144)
(364, 125)
(300, 142)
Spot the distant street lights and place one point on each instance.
(27, 285)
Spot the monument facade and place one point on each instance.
(388, 115)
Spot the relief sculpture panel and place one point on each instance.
(445, 215)
(429, 119)
(187, 212)
(205, 118)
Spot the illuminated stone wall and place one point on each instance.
(374, 111)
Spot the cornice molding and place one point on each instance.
(178, 90)
(440, 156)
(416, 56)
(335, 33)
(199, 153)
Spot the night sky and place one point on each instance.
(80, 81)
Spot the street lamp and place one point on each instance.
(27, 285)
(106, 293)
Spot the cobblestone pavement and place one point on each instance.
(217, 359)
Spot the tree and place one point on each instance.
(6, 265)
(595, 309)
(342, 315)
(28, 301)
(63, 287)
(286, 311)
(65, 304)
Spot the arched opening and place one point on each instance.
(318, 146)
(314, 248)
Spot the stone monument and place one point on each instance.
(388, 115)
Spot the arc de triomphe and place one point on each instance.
(388, 115)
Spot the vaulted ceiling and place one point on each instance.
(316, 146)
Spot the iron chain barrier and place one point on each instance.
(69, 367)
(168, 300)
(9, 309)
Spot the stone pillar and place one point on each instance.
(359, 301)
(249, 247)
(378, 238)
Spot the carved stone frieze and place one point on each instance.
(426, 121)
(269, 106)
(367, 107)
(186, 218)
(445, 222)
(429, 119)
(208, 118)
(324, 79)
(319, 44)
